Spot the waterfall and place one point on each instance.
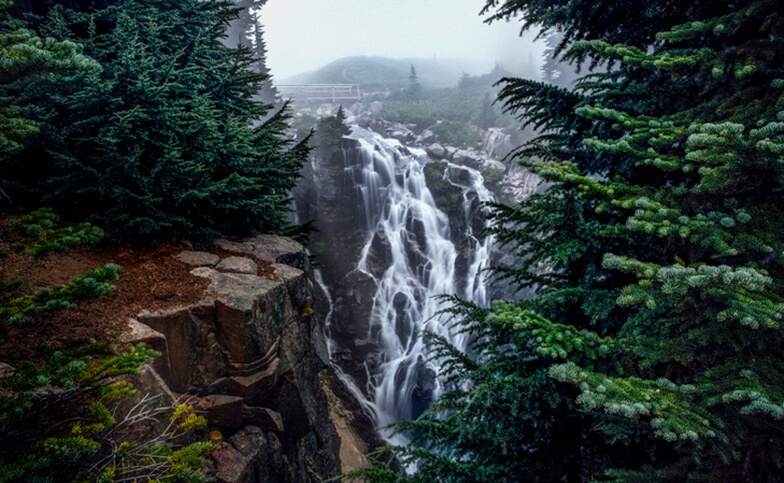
(395, 208)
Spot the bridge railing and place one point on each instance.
(320, 92)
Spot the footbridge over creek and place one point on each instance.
(320, 93)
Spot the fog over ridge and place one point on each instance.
(305, 35)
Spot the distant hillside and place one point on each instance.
(380, 72)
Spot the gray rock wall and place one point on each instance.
(251, 352)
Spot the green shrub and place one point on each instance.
(41, 225)
(80, 383)
(20, 309)
(456, 134)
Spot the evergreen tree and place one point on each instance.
(656, 326)
(413, 82)
(487, 115)
(26, 57)
(329, 133)
(165, 141)
(250, 33)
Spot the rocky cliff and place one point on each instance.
(250, 353)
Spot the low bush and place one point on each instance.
(18, 309)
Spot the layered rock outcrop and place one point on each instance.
(251, 352)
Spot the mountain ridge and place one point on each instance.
(383, 72)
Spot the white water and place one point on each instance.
(397, 202)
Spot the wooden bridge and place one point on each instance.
(320, 93)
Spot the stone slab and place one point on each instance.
(198, 259)
(273, 248)
(238, 265)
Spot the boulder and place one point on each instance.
(274, 248)
(364, 120)
(492, 164)
(427, 137)
(250, 312)
(460, 175)
(265, 418)
(402, 133)
(224, 411)
(467, 158)
(238, 265)
(250, 456)
(138, 333)
(195, 355)
(436, 151)
(198, 259)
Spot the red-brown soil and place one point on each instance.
(151, 279)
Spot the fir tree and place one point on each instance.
(329, 133)
(413, 82)
(658, 309)
(251, 35)
(25, 57)
(165, 141)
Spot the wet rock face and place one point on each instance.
(253, 355)
(353, 305)
(422, 395)
(379, 255)
(450, 186)
(331, 194)
(497, 144)
(328, 195)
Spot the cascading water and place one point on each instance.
(421, 260)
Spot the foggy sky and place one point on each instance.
(303, 35)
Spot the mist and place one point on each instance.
(304, 35)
